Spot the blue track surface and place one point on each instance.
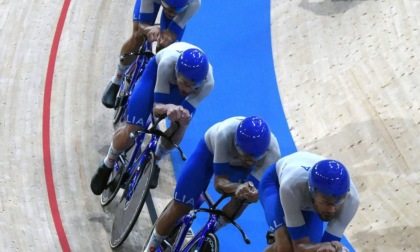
(236, 37)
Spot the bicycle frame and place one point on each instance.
(209, 227)
(135, 165)
(138, 157)
(135, 175)
(199, 238)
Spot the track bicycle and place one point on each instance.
(205, 240)
(136, 175)
(131, 76)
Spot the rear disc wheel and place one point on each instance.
(128, 211)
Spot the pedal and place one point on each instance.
(155, 178)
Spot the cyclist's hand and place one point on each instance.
(339, 247)
(179, 114)
(326, 247)
(153, 34)
(333, 246)
(185, 120)
(165, 38)
(247, 191)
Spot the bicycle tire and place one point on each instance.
(117, 115)
(127, 212)
(113, 185)
(210, 244)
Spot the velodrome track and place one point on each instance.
(347, 73)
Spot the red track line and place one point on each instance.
(46, 131)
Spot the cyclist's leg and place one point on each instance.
(166, 223)
(197, 169)
(139, 108)
(132, 44)
(270, 200)
(193, 180)
(120, 142)
(282, 241)
(170, 32)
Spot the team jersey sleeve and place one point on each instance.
(148, 11)
(220, 151)
(294, 219)
(272, 157)
(180, 21)
(164, 72)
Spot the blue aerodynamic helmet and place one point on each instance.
(177, 5)
(330, 178)
(193, 65)
(253, 137)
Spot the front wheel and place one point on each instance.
(210, 244)
(128, 211)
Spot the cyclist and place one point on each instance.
(236, 152)
(298, 193)
(174, 82)
(175, 15)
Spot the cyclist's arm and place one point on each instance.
(179, 117)
(149, 31)
(145, 28)
(224, 186)
(241, 191)
(177, 132)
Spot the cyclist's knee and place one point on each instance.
(122, 135)
(137, 34)
(282, 242)
(276, 247)
(181, 207)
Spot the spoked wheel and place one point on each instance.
(211, 244)
(128, 211)
(114, 182)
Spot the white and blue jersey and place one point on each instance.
(158, 85)
(285, 197)
(216, 154)
(146, 11)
